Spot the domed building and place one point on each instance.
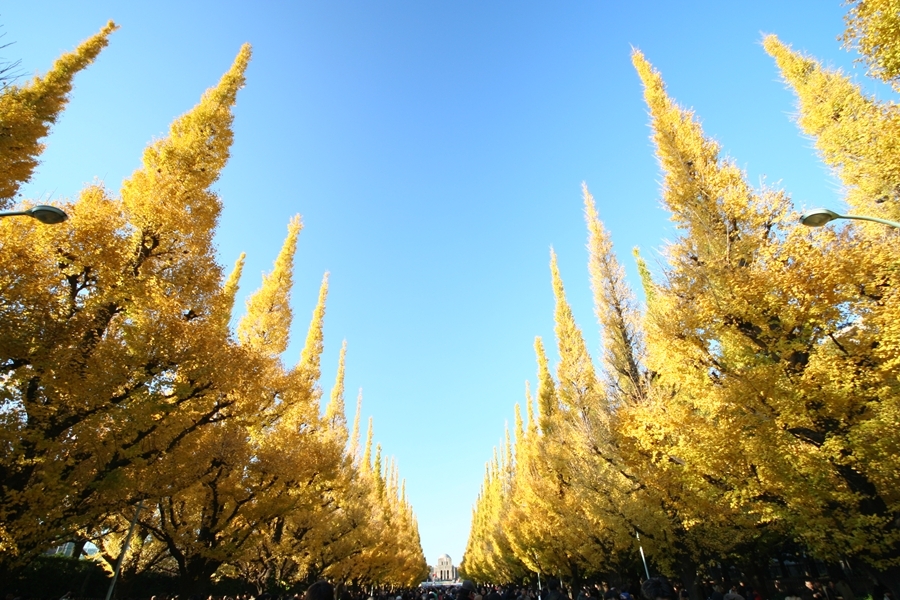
(444, 570)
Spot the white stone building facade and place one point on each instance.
(444, 569)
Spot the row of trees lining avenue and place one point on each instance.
(752, 404)
(125, 389)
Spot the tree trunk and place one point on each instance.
(196, 575)
(687, 570)
(78, 548)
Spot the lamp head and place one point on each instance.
(818, 217)
(49, 215)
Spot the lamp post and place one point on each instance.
(820, 216)
(112, 584)
(643, 558)
(48, 215)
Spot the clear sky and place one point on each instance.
(436, 151)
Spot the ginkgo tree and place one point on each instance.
(108, 338)
(26, 113)
(126, 395)
(754, 400)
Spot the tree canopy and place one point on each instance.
(125, 388)
(753, 399)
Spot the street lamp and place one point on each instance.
(820, 216)
(48, 215)
(643, 558)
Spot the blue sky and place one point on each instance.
(435, 151)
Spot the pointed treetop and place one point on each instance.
(335, 415)
(614, 307)
(378, 473)
(376, 465)
(508, 451)
(576, 375)
(225, 305)
(685, 155)
(266, 325)
(546, 396)
(354, 435)
(532, 424)
(646, 278)
(393, 478)
(232, 284)
(520, 427)
(309, 367)
(27, 112)
(723, 219)
(366, 465)
(168, 199)
(853, 132)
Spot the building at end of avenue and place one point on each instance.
(444, 570)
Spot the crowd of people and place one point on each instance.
(655, 588)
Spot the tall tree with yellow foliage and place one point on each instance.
(853, 132)
(622, 484)
(873, 28)
(776, 342)
(124, 385)
(489, 556)
(26, 114)
(254, 467)
(28, 111)
(122, 299)
(850, 386)
(756, 399)
(540, 488)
